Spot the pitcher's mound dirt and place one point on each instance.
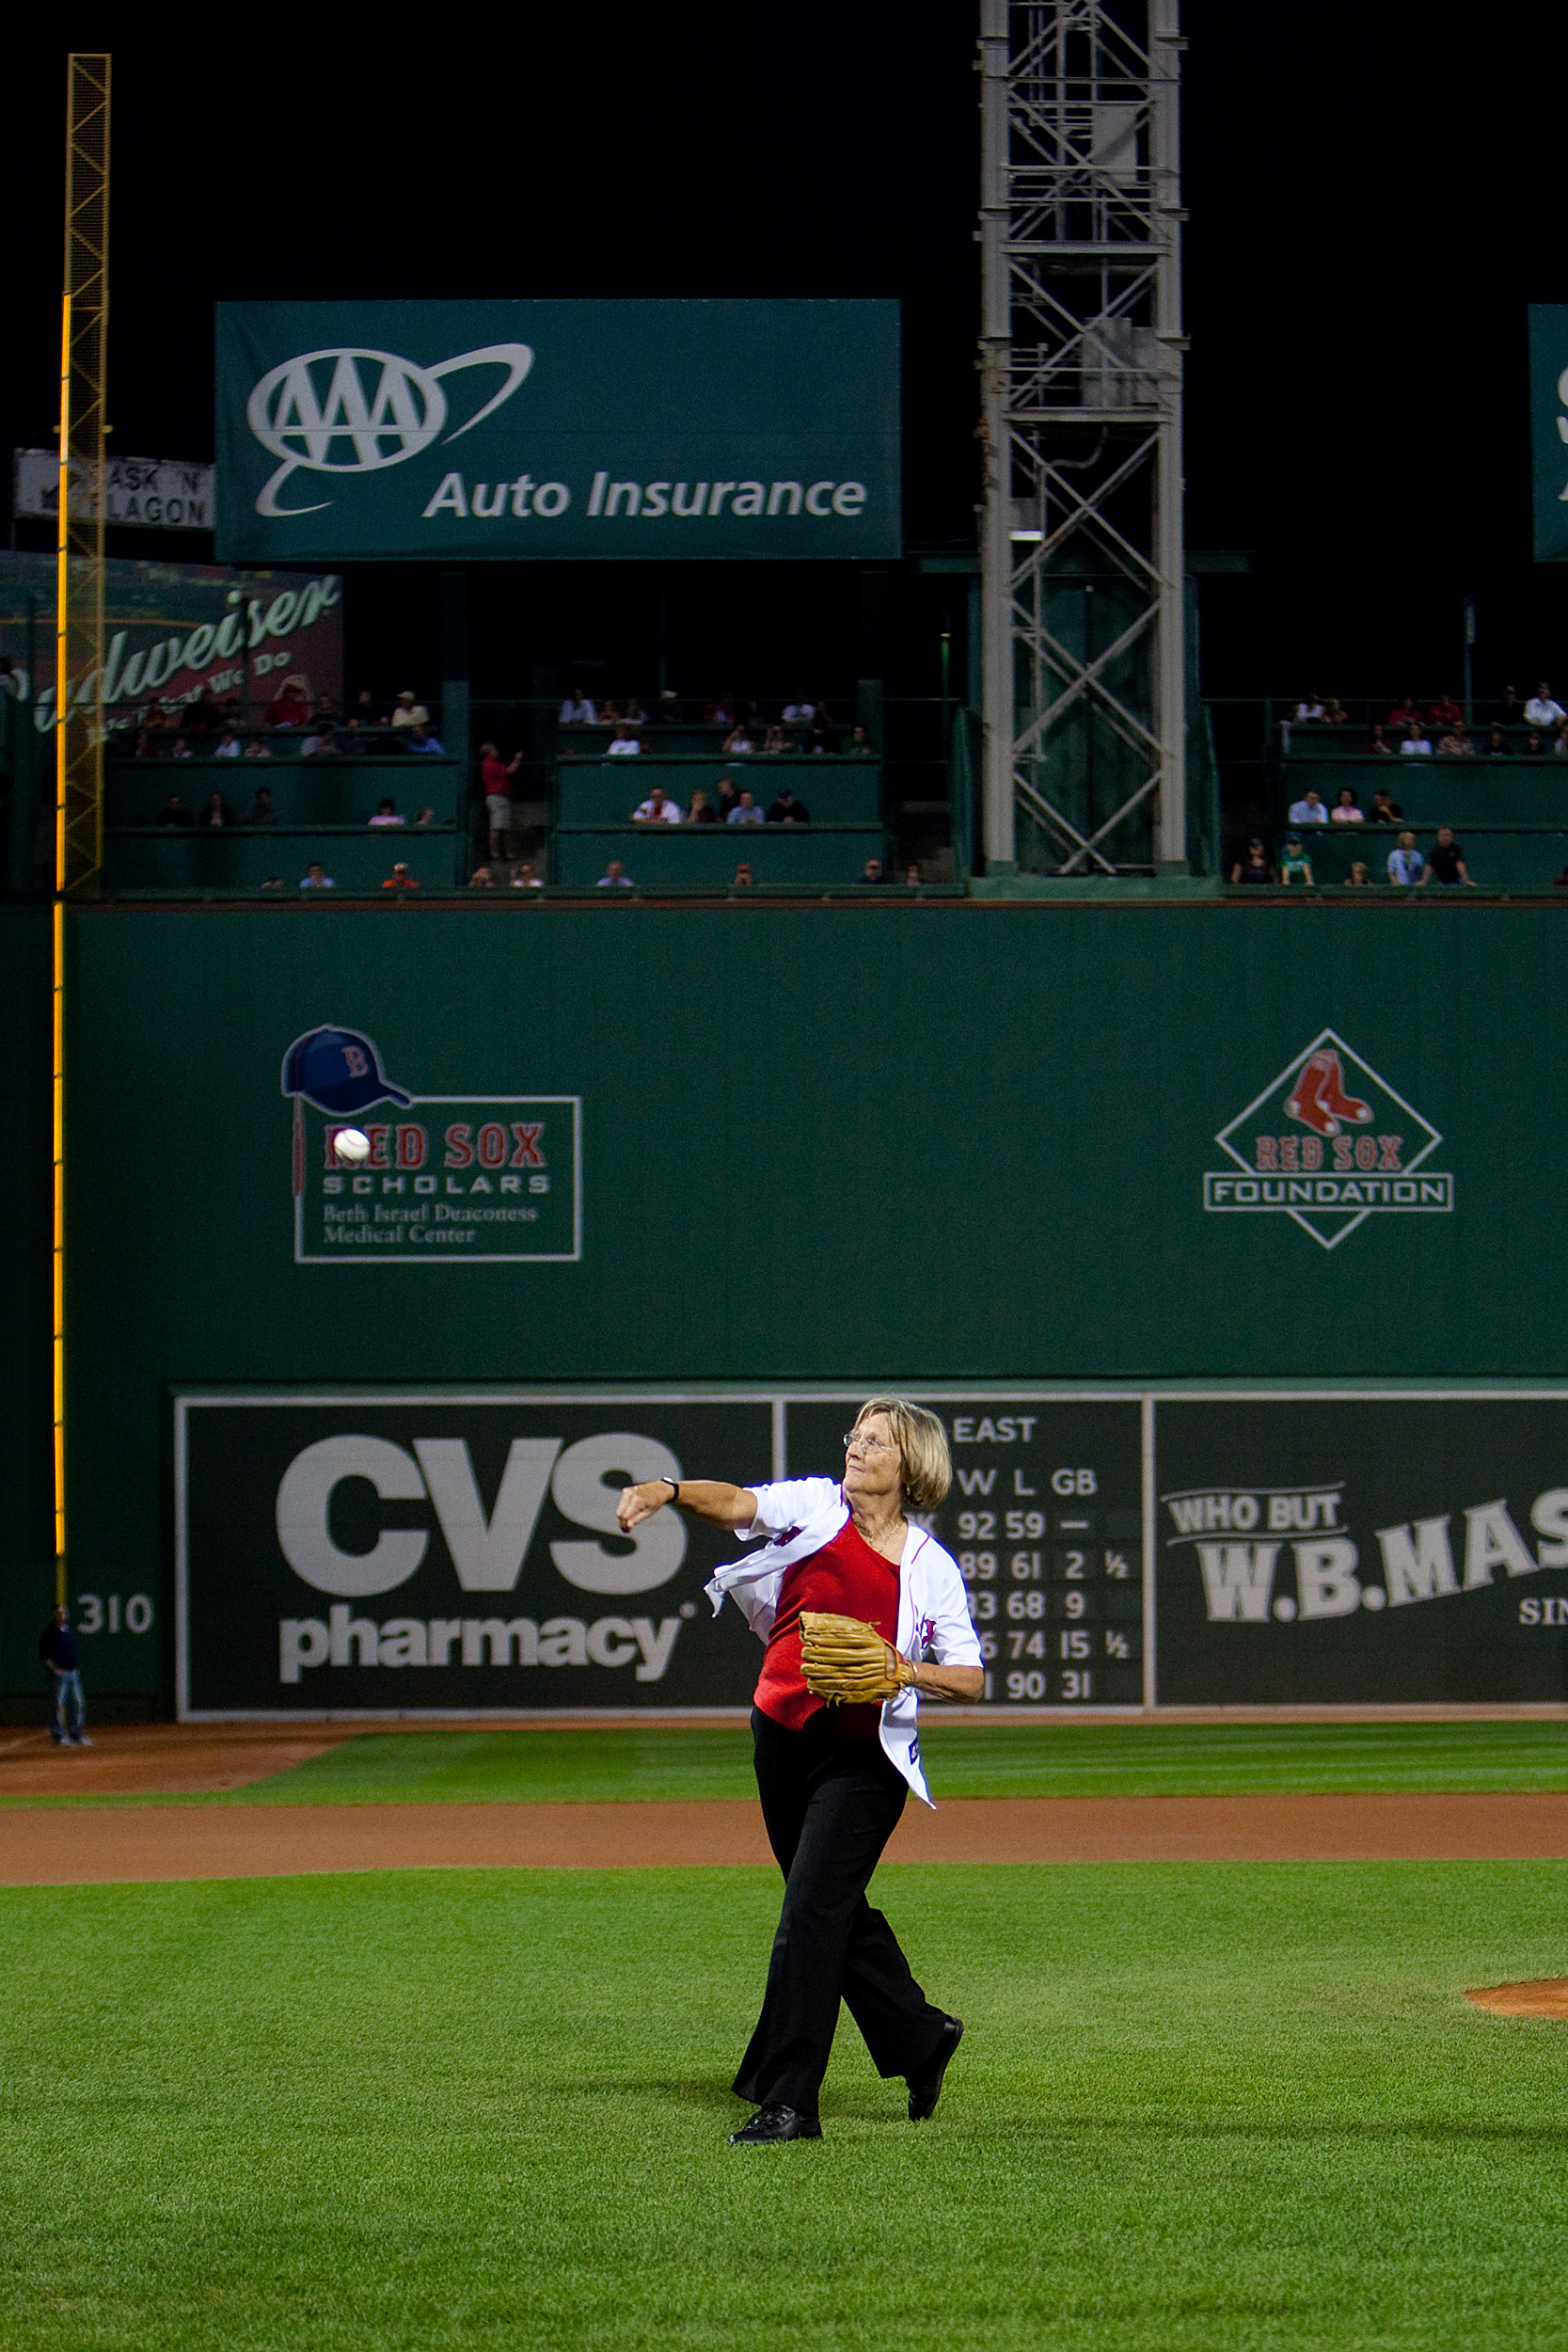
(1547, 1997)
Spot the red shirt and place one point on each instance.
(495, 778)
(849, 1578)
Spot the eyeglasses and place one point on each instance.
(868, 1445)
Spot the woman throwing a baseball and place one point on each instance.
(861, 1613)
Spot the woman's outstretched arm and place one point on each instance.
(708, 1497)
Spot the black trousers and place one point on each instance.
(831, 1805)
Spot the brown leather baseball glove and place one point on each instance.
(848, 1662)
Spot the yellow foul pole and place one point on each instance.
(78, 615)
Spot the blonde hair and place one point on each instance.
(922, 1442)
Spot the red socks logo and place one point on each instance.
(1318, 1099)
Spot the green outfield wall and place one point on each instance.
(763, 1147)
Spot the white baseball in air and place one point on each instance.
(352, 1145)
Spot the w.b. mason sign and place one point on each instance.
(557, 429)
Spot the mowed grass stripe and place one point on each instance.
(962, 1760)
(1235, 2109)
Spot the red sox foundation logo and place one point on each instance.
(1328, 1143)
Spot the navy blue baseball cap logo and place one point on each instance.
(340, 1071)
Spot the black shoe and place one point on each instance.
(926, 2088)
(774, 2123)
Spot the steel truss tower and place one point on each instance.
(1081, 369)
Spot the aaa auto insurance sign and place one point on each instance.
(557, 429)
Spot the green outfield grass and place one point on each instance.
(1238, 2105)
(962, 1760)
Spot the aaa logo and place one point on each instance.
(1328, 1143)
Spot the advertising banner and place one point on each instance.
(408, 1552)
(1329, 1549)
(1548, 407)
(175, 632)
(557, 429)
(391, 1551)
(153, 493)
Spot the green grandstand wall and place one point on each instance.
(846, 1143)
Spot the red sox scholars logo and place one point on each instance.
(1328, 1143)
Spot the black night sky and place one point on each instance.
(1374, 196)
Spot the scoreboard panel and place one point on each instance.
(1045, 1520)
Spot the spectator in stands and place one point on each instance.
(745, 812)
(179, 749)
(1560, 746)
(1497, 744)
(913, 877)
(739, 741)
(421, 740)
(657, 809)
(262, 810)
(174, 812)
(700, 811)
(1445, 713)
(1446, 863)
(257, 749)
(1359, 877)
(386, 813)
(407, 712)
(609, 714)
(217, 811)
(1542, 710)
(799, 714)
(616, 877)
(634, 714)
(67, 1726)
(820, 739)
(353, 736)
(424, 819)
(526, 879)
(577, 710)
(1385, 811)
(1378, 741)
(774, 741)
(364, 710)
(623, 744)
(1404, 714)
(400, 879)
(274, 881)
(872, 872)
(859, 740)
(1309, 809)
(1532, 741)
(228, 745)
(1456, 744)
(1347, 810)
(1311, 704)
(319, 744)
(1406, 865)
(1335, 713)
(482, 879)
(1511, 713)
(495, 778)
(1295, 866)
(721, 713)
(317, 878)
(1416, 744)
(729, 799)
(1255, 866)
(787, 810)
(743, 880)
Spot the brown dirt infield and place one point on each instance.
(85, 1844)
(1547, 1997)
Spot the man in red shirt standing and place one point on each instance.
(495, 781)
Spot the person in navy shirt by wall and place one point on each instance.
(57, 1655)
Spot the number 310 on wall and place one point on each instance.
(96, 1618)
